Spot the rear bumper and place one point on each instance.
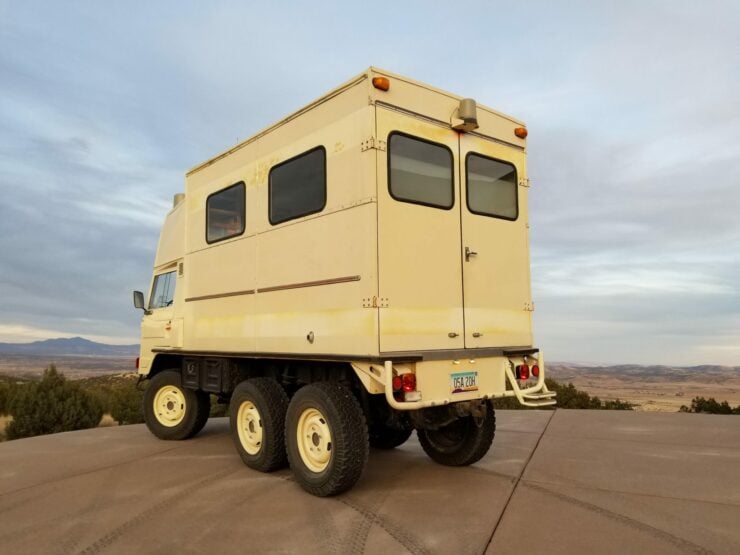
(494, 376)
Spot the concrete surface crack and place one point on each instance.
(518, 479)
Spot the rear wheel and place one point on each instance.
(326, 438)
(461, 442)
(172, 411)
(385, 437)
(257, 414)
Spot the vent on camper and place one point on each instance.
(465, 116)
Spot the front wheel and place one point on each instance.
(172, 411)
(326, 438)
(461, 442)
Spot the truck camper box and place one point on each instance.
(374, 241)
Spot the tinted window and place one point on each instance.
(492, 187)
(225, 213)
(163, 290)
(298, 186)
(420, 172)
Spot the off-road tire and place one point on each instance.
(271, 401)
(349, 438)
(385, 437)
(197, 406)
(461, 442)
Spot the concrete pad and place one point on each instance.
(635, 482)
(120, 490)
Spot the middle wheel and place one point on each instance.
(257, 417)
(326, 438)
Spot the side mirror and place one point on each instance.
(139, 302)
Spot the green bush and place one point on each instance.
(51, 405)
(4, 397)
(710, 406)
(568, 397)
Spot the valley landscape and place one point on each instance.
(649, 388)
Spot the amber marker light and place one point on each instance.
(521, 132)
(381, 83)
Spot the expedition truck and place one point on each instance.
(356, 271)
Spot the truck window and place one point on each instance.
(225, 213)
(163, 290)
(491, 187)
(297, 187)
(420, 172)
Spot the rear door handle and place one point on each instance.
(469, 253)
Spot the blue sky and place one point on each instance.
(633, 110)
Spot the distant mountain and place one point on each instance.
(655, 373)
(78, 346)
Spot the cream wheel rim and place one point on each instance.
(169, 406)
(249, 426)
(314, 440)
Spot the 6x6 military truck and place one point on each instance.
(354, 272)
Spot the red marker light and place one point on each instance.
(137, 363)
(522, 372)
(409, 382)
(536, 371)
(397, 383)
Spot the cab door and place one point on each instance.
(419, 265)
(163, 326)
(495, 254)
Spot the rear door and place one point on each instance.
(452, 237)
(420, 275)
(495, 254)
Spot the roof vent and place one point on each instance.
(465, 116)
(177, 199)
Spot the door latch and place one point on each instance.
(469, 253)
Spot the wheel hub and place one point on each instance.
(169, 406)
(314, 440)
(249, 426)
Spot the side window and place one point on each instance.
(163, 290)
(420, 172)
(297, 187)
(491, 187)
(225, 213)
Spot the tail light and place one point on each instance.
(137, 363)
(536, 371)
(408, 382)
(522, 372)
(397, 383)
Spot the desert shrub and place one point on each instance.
(127, 404)
(710, 406)
(51, 405)
(568, 397)
(218, 409)
(4, 397)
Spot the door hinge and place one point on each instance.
(375, 302)
(524, 182)
(372, 142)
(529, 306)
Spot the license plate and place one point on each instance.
(462, 382)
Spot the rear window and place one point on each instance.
(491, 187)
(420, 171)
(225, 213)
(163, 290)
(298, 186)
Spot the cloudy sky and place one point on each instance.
(633, 110)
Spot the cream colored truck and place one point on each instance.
(356, 271)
